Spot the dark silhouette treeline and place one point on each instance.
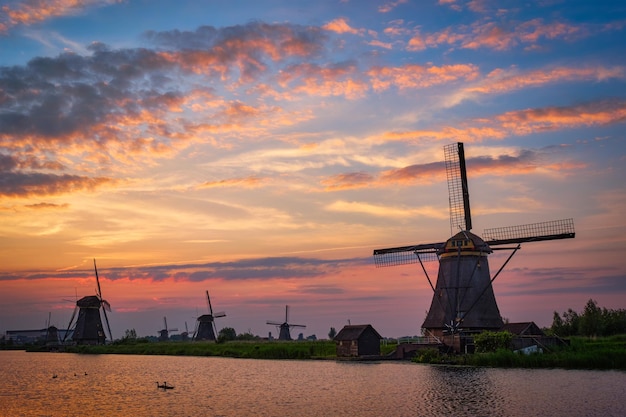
(593, 321)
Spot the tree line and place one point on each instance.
(593, 321)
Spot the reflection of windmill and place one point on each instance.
(463, 295)
(284, 327)
(88, 329)
(206, 329)
(164, 334)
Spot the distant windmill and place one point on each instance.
(185, 335)
(52, 333)
(463, 299)
(164, 334)
(206, 329)
(284, 327)
(88, 329)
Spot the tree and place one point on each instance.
(332, 333)
(487, 341)
(226, 334)
(591, 321)
(130, 334)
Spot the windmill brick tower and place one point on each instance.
(206, 328)
(88, 329)
(463, 300)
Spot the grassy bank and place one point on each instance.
(583, 353)
(234, 349)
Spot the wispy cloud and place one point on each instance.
(502, 36)
(28, 12)
(525, 122)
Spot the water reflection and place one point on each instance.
(119, 385)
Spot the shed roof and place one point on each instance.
(353, 332)
(525, 328)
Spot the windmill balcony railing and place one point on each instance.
(420, 340)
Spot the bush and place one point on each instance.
(492, 341)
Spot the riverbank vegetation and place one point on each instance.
(234, 349)
(593, 321)
(596, 340)
(582, 353)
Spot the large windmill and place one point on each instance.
(88, 328)
(206, 329)
(463, 299)
(284, 333)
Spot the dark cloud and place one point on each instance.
(544, 281)
(14, 184)
(259, 269)
(122, 97)
(414, 172)
(230, 41)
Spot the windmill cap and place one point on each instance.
(90, 301)
(467, 242)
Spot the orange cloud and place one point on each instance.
(387, 7)
(499, 81)
(347, 181)
(34, 11)
(524, 122)
(500, 36)
(245, 182)
(341, 26)
(419, 76)
(323, 81)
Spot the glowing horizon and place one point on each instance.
(262, 153)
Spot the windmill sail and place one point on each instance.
(104, 303)
(534, 232)
(458, 191)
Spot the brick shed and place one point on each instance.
(358, 340)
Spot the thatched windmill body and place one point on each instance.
(284, 327)
(88, 329)
(463, 297)
(206, 328)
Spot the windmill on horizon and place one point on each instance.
(463, 297)
(206, 328)
(88, 329)
(284, 327)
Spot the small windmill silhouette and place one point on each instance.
(284, 327)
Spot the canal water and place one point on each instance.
(126, 385)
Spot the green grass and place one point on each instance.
(582, 353)
(235, 349)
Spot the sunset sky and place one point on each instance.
(262, 149)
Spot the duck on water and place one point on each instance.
(164, 386)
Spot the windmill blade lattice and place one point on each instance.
(458, 191)
(533, 232)
(407, 254)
